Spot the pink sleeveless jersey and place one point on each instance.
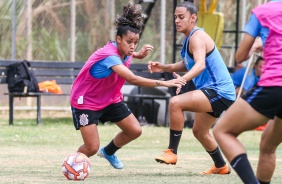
(95, 94)
(270, 16)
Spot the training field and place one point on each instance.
(34, 154)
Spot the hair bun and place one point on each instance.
(131, 16)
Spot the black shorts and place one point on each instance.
(114, 113)
(218, 103)
(266, 100)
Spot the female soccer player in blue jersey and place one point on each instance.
(214, 92)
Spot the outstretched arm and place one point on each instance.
(129, 76)
(154, 66)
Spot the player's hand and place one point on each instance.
(177, 76)
(154, 66)
(144, 51)
(178, 82)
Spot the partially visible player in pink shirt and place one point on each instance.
(262, 103)
(96, 93)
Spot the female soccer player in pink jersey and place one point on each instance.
(262, 103)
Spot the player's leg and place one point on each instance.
(91, 140)
(86, 121)
(130, 130)
(238, 118)
(202, 125)
(194, 101)
(270, 139)
(201, 130)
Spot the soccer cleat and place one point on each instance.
(114, 161)
(168, 157)
(222, 170)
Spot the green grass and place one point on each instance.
(34, 154)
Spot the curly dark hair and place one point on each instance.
(130, 19)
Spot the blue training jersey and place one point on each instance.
(254, 28)
(238, 76)
(251, 79)
(102, 69)
(215, 76)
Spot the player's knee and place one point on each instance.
(93, 149)
(134, 133)
(216, 132)
(196, 132)
(199, 134)
(266, 148)
(173, 103)
(137, 133)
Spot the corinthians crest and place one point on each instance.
(83, 119)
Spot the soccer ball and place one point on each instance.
(76, 166)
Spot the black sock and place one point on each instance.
(263, 182)
(243, 168)
(217, 158)
(111, 148)
(174, 139)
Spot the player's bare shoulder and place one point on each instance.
(198, 39)
(201, 40)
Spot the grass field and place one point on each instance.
(34, 154)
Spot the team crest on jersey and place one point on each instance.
(83, 119)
